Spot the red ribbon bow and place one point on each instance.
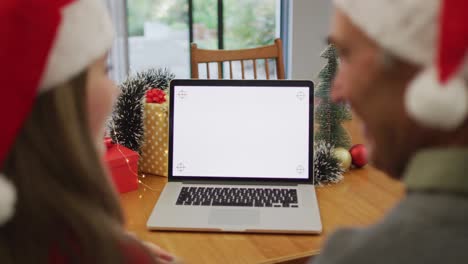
(155, 95)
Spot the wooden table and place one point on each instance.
(362, 198)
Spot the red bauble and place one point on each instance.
(155, 95)
(359, 155)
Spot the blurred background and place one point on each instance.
(158, 33)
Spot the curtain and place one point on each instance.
(118, 56)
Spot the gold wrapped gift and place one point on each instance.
(154, 149)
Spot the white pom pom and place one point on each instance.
(436, 106)
(7, 199)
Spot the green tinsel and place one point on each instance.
(156, 78)
(327, 168)
(126, 124)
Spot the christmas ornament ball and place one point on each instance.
(344, 157)
(358, 155)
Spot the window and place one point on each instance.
(160, 31)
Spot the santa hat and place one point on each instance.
(47, 43)
(430, 33)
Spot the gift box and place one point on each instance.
(154, 150)
(123, 165)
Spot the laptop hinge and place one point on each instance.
(241, 183)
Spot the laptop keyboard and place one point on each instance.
(246, 197)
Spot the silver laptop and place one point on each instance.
(240, 158)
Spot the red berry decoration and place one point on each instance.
(358, 155)
(155, 95)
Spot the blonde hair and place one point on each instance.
(65, 199)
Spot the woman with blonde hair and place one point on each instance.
(57, 204)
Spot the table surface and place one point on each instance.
(362, 198)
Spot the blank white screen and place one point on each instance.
(255, 132)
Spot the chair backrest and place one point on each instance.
(265, 53)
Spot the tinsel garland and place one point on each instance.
(126, 124)
(156, 78)
(326, 166)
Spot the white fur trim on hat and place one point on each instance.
(408, 29)
(436, 105)
(85, 34)
(405, 28)
(7, 199)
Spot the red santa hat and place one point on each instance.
(430, 33)
(47, 42)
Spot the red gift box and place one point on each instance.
(123, 173)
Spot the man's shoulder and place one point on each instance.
(423, 228)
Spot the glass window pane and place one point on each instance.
(205, 23)
(158, 35)
(250, 23)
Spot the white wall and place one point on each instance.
(310, 24)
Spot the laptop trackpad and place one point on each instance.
(234, 217)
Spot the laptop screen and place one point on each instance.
(240, 129)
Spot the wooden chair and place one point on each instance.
(275, 51)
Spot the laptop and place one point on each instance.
(239, 158)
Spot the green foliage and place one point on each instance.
(176, 14)
(249, 23)
(138, 12)
(329, 115)
(205, 12)
(172, 12)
